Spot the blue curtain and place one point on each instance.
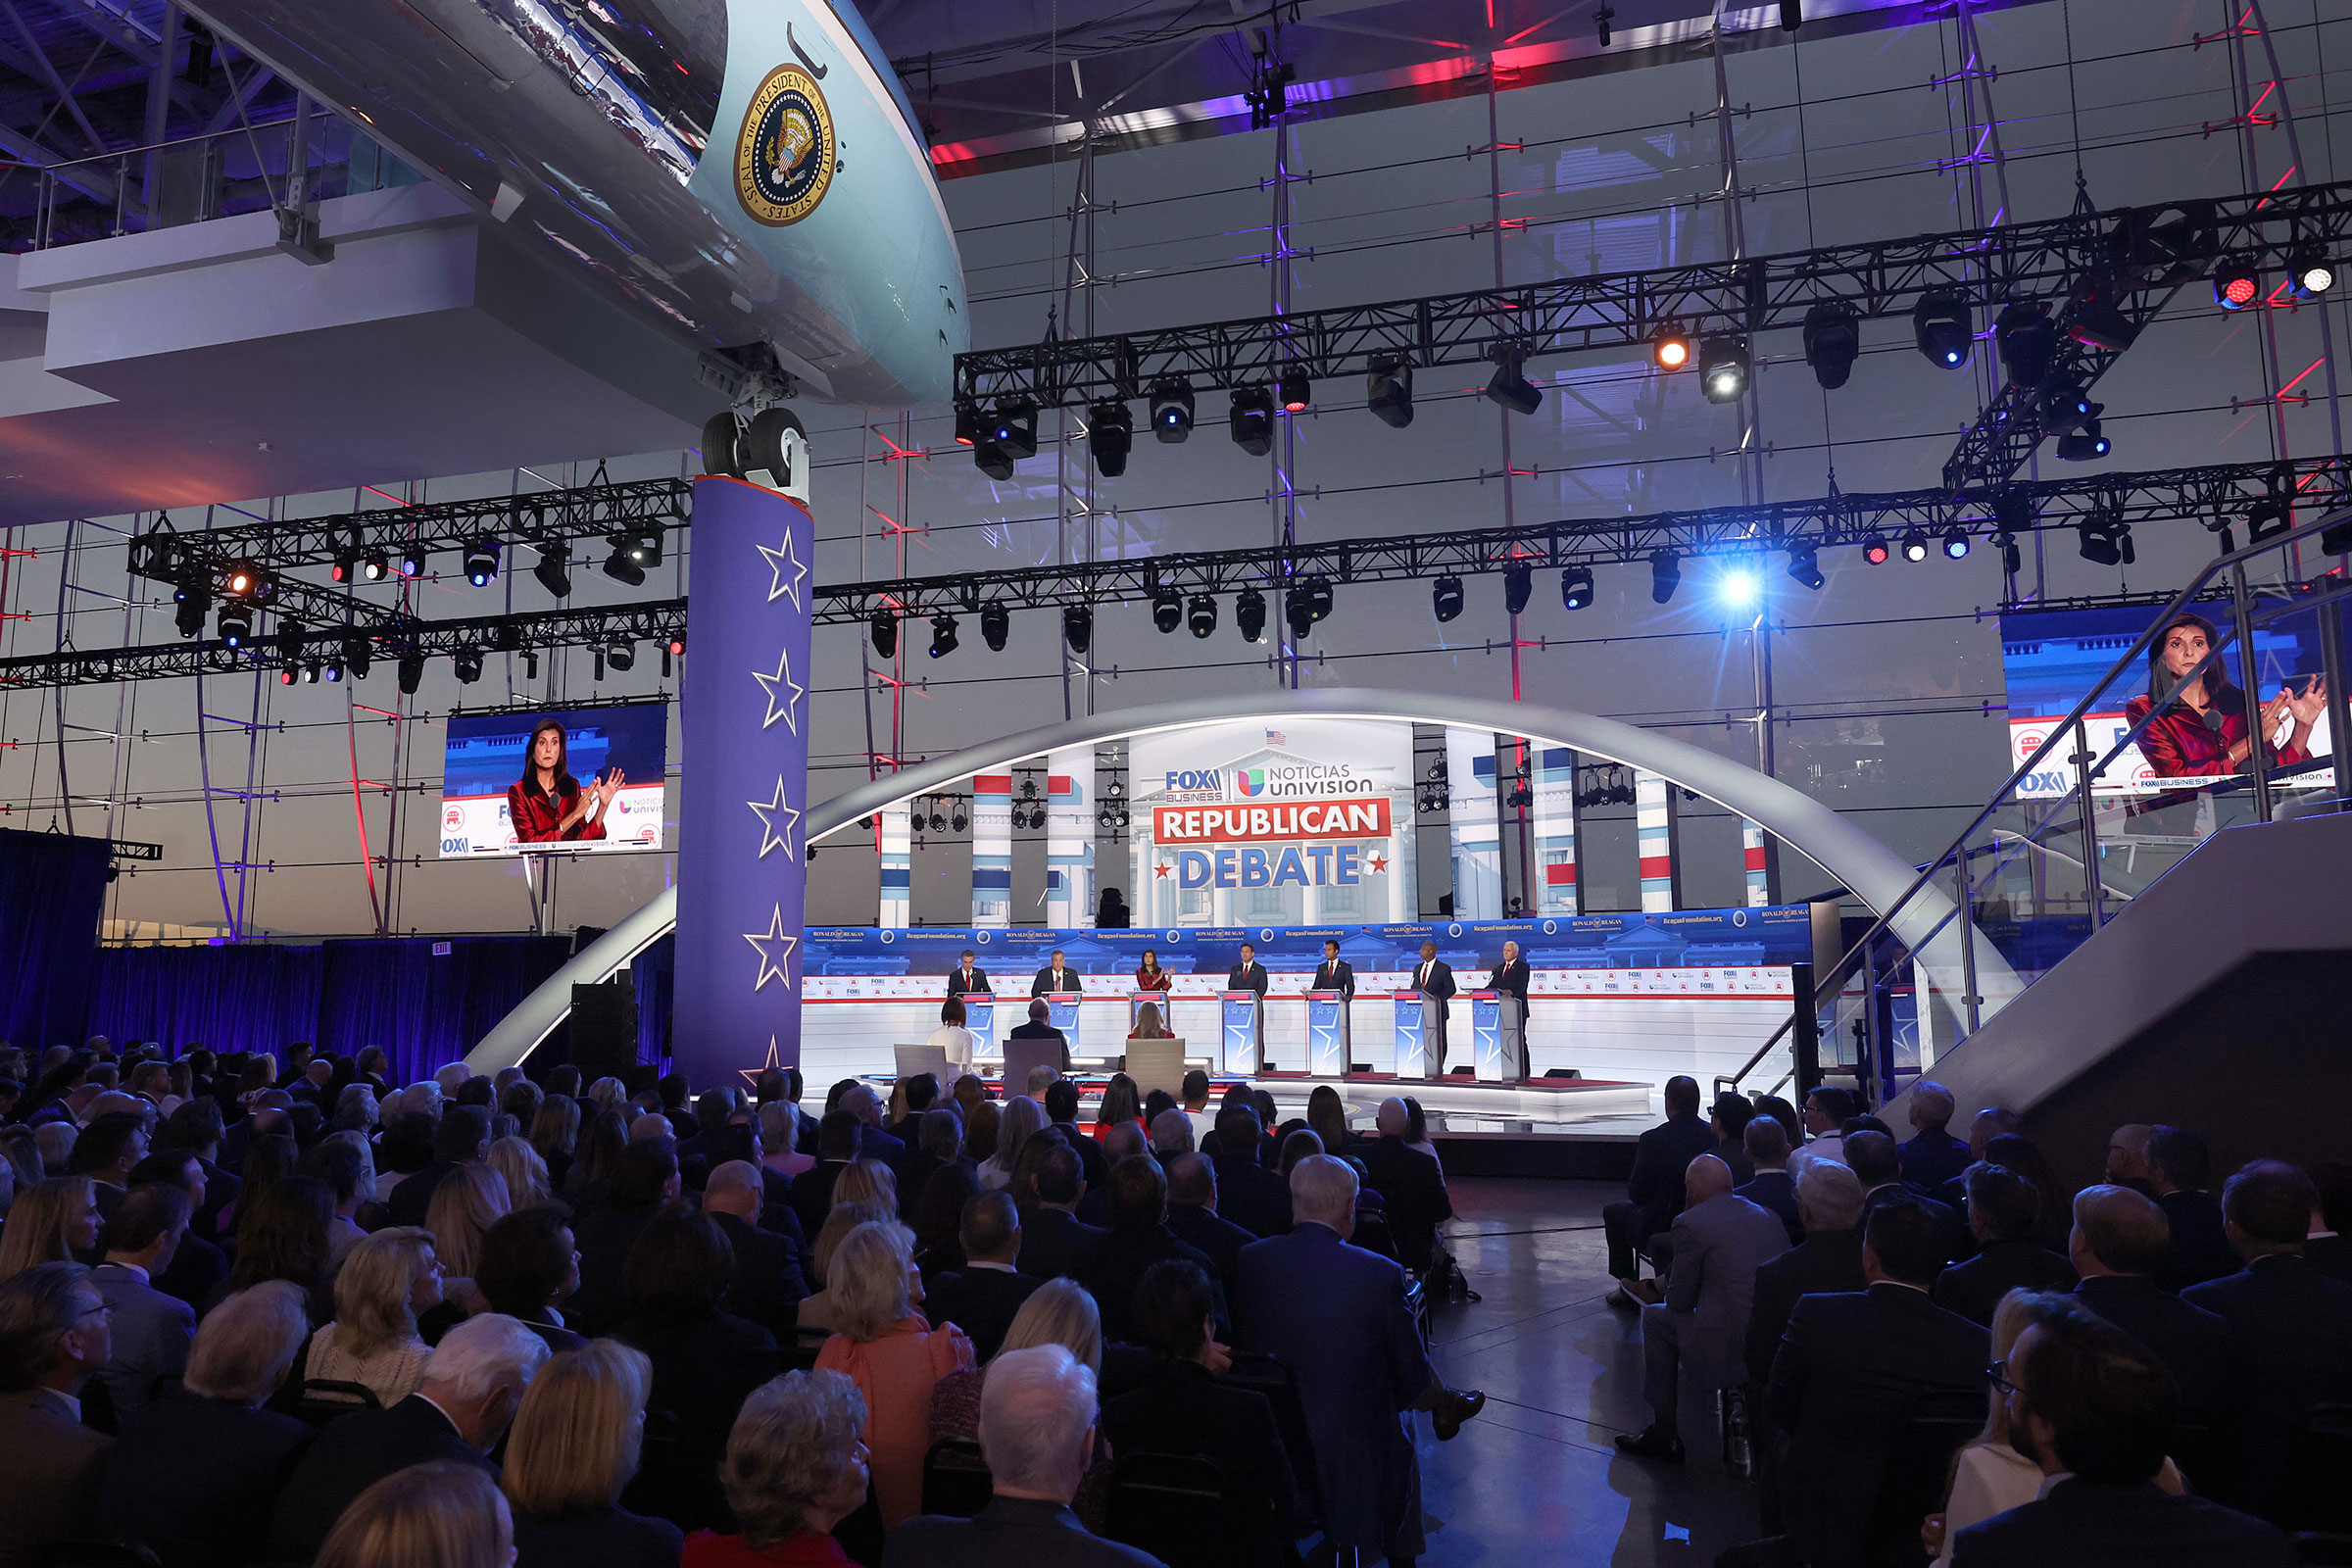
(230, 998)
(52, 894)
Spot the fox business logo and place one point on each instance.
(1287, 781)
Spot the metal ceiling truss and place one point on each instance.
(2102, 275)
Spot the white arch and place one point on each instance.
(1868, 869)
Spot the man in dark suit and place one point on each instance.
(462, 1137)
(2181, 1169)
(475, 1379)
(1829, 1203)
(1192, 1213)
(922, 1092)
(1510, 979)
(1040, 1027)
(53, 1334)
(1766, 1143)
(1115, 1263)
(151, 1331)
(1411, 1187)
(2001, 1209)
(874, 1142)
(1250, 975)
(1247, 1193)
(1052, 1236)
(966, 980)
(938, 1144)
(1062, 1114)
(1336, 1316)
(2096, 1410)
(2291, 1323)
(1036, 1434)
(196, 1265)
(1850, 1370)
(811, 1191)
(1653, 1193)
(1335, 973)
(768, 1283)
(982, 1297)
(644, 1180)
(1872, 1157)
(1931, 1157)
(1433, 977)
(1056, 978)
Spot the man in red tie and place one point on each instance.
(1335, 973)
(1433, 979)
(967, 981)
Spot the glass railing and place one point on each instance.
(2222, 713)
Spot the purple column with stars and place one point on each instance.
(744, 720)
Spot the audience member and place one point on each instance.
(471, 1200)
(2054, 1214)
(151, 1331)
(1720, 1241)
(385, 1283)
(1728, 1120)
(1771, 1187)
(1193, 1213)
(1125, 1141)
(53, 1334)
(892, 1354)
(519, 1164)
(528, 1265)
(1249, 1195)
(1411, 1187)
(439, 1514)
(1171, 1132)
(479, 1373)
(769, 1285)
(1052, 1235)
(462, 1137)
(1653, 1193)
(2127, 1158)
(1057, 1312)
(873, 1142)
(644, 1178)
(1061, 1112)
(1823, 1119)
(2001, 1209)
(2180, 1170)
(2121, 1240)
(1873, 1159)
(577, 1442)
(54, 1223)
(107, 1149)
(1932, 1155)
(816, 1310)
(813, 1189)
(795, 1468)
(1020, 1120)
(984, 1296)
(1113, 1264)
(338, 1162)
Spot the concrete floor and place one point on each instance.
(1533, 1478)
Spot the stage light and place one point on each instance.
(1723, 368)
(1518, 586)
(2103, 542)
(1167, 610)
(2011, 559)
(1305, 602)
(467, 662)
(996, 623)
(1833, 338)
(2085, 444)
(1293, 390)
(292, 642)
(345, 570)
(359, 654)
(191, 603)
(330, 672)
(943, 635)
(677, 645)
(1445, 599)
(1792, 15)
(1200, 615)
(1252, 419)
(1511, 389)
(1013, 429)
(531, 662)
(2309, 273)
(242, 580)
(1665, 575)
(1172, 410)
(2068, 409)
(375, 567)
(413, 561)
(411, 673)
(993, 459)
(1943, 326)
(1389, 393)
(967, 424)
(1250, 615)
(236, 625)
(151, 552)
(1576, 587)
(1600, 23)
(1110, 436)
(1805, 565)
(1955, 544)
(622, 566)
(553, 570)
(1875, 550)
(597, 666)
(938, 819)
(1671, 349)
(2027, 341)
(288, 675)
(2267, 518)
(960, 819)
(481, 562)
(1739, 588)
(882, 627)
(1078, 628)
(2235, 284)
(1915, 544)
(2097, 317)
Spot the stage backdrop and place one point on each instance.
(52, 893)
(1240, 822)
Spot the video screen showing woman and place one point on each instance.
(2200, 726)
(546, 804)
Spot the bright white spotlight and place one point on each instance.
(1739, 587)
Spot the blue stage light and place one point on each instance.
(1739, 587)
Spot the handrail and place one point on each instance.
(1834, 980)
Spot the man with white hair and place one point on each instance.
(1037, 1432)
(1829, 1206)
(1336, 1316)
(1932, 1155)
(1171, 1135)
(1041, 1079)
(451, 1077)
(873, 1142)
(473, 1386)
(1410, 1185)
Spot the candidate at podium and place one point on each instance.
(1150, 976)
(1335, 973)
(1510, 979)
(1249, 974)
(1040, 1027)
(969, 979)
(1433, 979)
(1056, 979)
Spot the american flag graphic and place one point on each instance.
(1275, 737)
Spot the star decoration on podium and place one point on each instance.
(788, 572)
(782, 679)
(769, 811)
(751, 1075)
(778, 966)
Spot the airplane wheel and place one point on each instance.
(763, 445)
(722, 445)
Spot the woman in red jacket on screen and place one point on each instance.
(2201, 730)
(546, 804)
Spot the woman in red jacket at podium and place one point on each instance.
(546, 804)
(2200, 728)
(1148, 976)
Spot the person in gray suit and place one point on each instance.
(1720, 1241)
(152, 1330)
(53, 1334)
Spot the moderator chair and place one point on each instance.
(956, 1478)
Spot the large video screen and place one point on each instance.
(614, 755)
(2051, 658)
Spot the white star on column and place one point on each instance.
(751, 1075)
(778, 967)
(768, 811)
(789, 712)
(784, 581)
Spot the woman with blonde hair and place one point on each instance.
(868, 1180)
(49, 1224)
(1057, 1312)
(608, 1095)
(795, 1468)
(384, 1283)
(1021, 1118)
(892, 1354)
(575, 1443)
(554, 1132)
(471, 1200)
(816, 1310)
(439, 1515)
(527, 1185)
(776, 1136)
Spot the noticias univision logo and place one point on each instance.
(1251, 781)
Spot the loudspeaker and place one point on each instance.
(1563, 1072)
(604, 1029)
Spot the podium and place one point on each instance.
(1158, 999)
(1327, 1034)
(1498, 1023)
(980, 1017)
(1240, 1019)
(1061, 1012)
(1413, 1042)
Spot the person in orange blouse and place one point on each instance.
(546, 804)
(892, 1354)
